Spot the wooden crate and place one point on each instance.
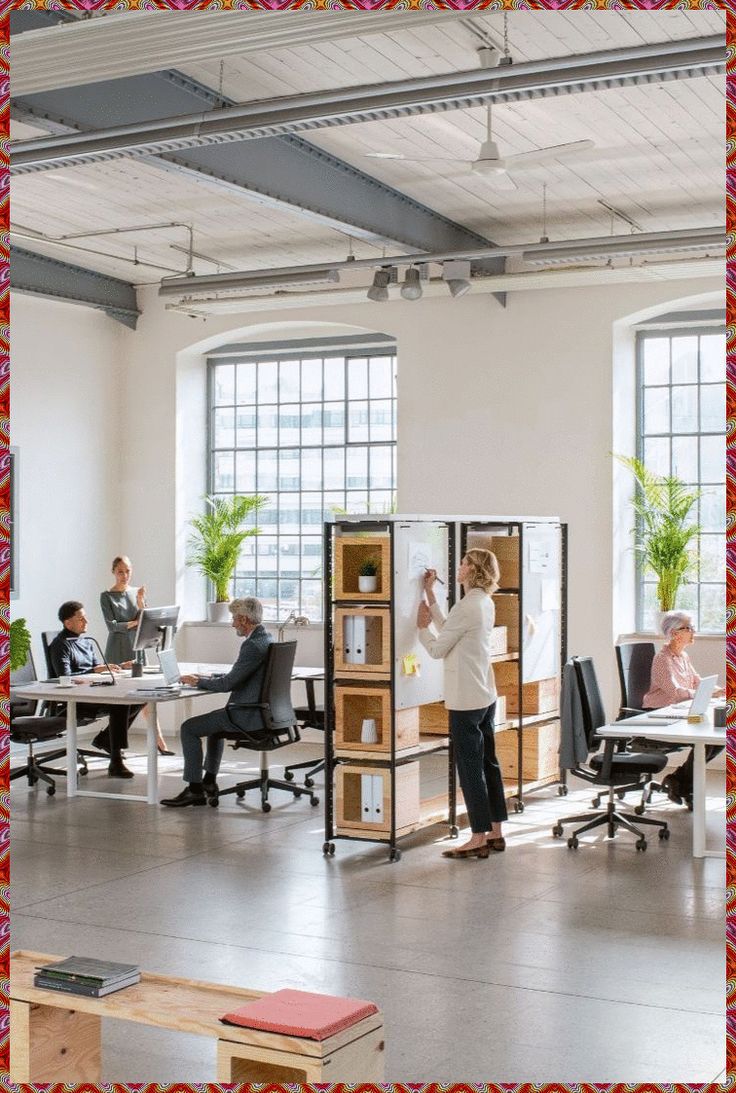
(506, 549)
(349, 797)
(540, 752)
(353, 704)
(499, 641)
(507, 614)
(539, 697)
(351, 551)
(377, 646)
(434, 720)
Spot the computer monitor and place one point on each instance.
(156, 626)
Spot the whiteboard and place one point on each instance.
(541, 567)
(417, 546)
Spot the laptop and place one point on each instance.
(697, 708)
(170, 668)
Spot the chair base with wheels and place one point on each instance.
(311, 716)
(263, 782)
(612, 819)
(36, 730)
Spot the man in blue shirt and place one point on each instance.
(243, 681)
(73, 654)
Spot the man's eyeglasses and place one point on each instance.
(690, 628)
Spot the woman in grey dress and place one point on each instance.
(121, 606)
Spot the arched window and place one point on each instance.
(681, 419)
(313, 427)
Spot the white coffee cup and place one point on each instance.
(368, 731)
(66, 681)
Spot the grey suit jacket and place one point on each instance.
(573, 742)
(244, 679)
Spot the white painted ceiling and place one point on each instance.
(663, 166)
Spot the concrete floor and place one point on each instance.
(541, 964)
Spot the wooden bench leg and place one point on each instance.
(53, 1045)
(359, 1061)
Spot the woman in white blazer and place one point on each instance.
(463, 642)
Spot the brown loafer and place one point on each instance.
(497, 844)
(467, 852)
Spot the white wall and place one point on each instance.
(66, 424)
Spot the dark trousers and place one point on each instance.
(477, 766)
(683, 776)
(205, 726)
(121, 717)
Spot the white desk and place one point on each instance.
(682, 733)
(126, 692)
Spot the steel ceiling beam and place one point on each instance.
(285, 172)
(301, 113)
(42, 276)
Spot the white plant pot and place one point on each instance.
(218, 612)
(367, 584)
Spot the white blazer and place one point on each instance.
(464, 643)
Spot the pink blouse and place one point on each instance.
(673, 680)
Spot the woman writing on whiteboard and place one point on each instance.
(463, 642)
(121, 605)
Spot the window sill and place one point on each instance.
(270, 624)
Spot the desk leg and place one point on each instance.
(50, 1044)
(699, 801)
(152, 768)
(71, 749)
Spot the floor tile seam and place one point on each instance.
(85, 888)
(353, 963)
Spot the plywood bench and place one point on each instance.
(56, 1037)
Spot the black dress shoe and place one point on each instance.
(118, 769)
(102, 741)
(186, 797)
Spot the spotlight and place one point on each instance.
(379, 288)
(411, 288)
(457, 275)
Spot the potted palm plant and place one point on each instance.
(215, 542)
(664, 537)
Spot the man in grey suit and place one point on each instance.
(244, 683)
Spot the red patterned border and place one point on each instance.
(369, 5)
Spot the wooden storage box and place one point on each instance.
(354, 704)
(353, 808)
(506, 549)
(363, 642)
(540, 752)
(507, 614)
(499, 641)
(539, 697)
(434, 718)
(351, 552)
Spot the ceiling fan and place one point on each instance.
(491, 164)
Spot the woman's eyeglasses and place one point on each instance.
(690, 628)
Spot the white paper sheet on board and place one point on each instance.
(419, 559)
(550, 594)
(540, 559)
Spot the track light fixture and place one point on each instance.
(412, 288)
(379, 288)
(457, 275)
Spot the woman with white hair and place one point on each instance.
(674, 680)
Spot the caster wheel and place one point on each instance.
(314, 801)
(51, 791)
(265, 807)
(240, 794)
(289, 775)
(83, 771)
(394, 855)
(557, 831)
(309, 782)
(689, 802)
(595, 803)
(572, 842)
(562, 791)
(454, 832)
(518, 806)
(641, 844)
(639, 810)
(297, 794)
(664, 833)
(620, 795)
(214, 802)
(32, 781)
(328, 849)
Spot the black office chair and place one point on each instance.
(311, 716)
(634, 661)
(607, 768)
(279, 726)
(59, 708)
(28, 727)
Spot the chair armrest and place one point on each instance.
(608, 758)
(247, 706)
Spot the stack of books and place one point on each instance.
(87, 976)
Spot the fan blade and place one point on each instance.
(413, 159)
(501, 181)
(543, 155)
